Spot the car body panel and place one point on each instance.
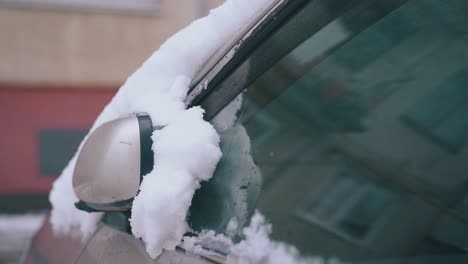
(109, 245)
(47, 247)
(106, 245)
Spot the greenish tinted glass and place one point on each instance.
(341, 170)
(442, 115)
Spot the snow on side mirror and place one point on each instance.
(111, 164)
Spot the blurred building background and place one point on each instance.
(61, 62)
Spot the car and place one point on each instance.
(343, 122)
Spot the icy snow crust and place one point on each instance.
(186, 150)
(255, 248)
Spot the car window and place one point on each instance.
(353, 144)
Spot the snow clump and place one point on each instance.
(255, 248)
(160, 209)
(186, 149)
(258, 248)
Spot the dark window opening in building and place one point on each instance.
(56, 148)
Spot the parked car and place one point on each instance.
(355, 114)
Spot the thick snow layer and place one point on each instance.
(186, 150)
(182, 160)
(255, 248)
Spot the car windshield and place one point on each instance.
(354, 144)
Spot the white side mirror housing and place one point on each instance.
(111, 164)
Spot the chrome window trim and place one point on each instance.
(209, 91)
(222, 56)
(231, 54)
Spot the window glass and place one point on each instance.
(442, 115)
(362, 155)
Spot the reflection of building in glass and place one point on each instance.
(344, 165)
(350, 205)
(442, 115)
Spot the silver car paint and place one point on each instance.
(108, 166)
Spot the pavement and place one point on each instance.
(16, 230)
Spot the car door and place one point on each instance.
(344, 123)
(49, 248)
(110, 245)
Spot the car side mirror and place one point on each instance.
(112, 163)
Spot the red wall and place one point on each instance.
(24, 111)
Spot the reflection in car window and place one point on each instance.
(363, 155)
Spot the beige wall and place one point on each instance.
(51, 47)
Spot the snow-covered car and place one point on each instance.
(345, 123)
